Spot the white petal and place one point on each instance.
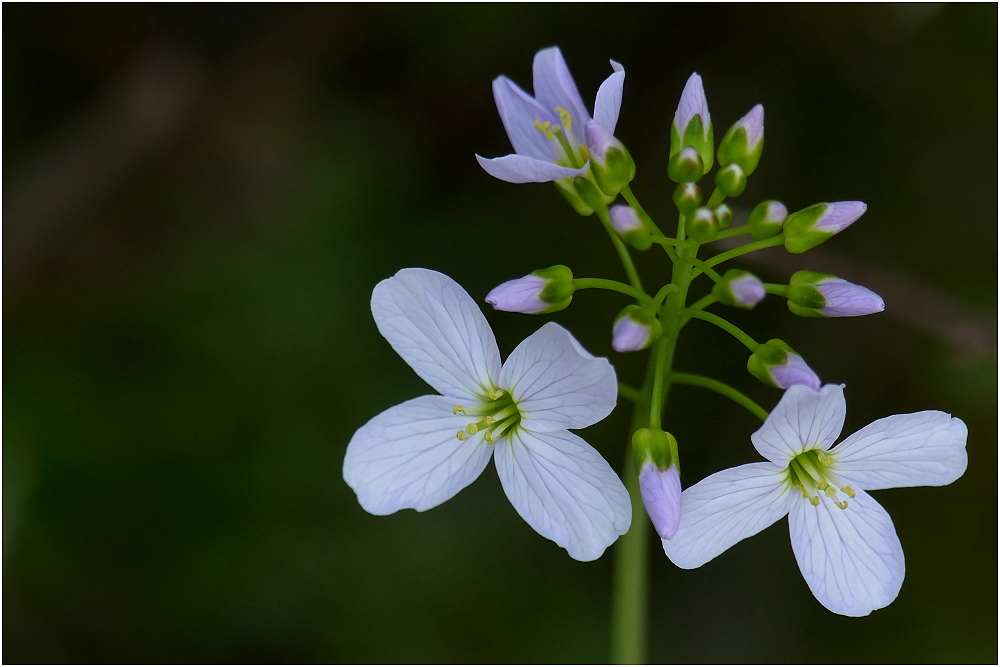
(408, 456)
(556, 383)
(725, 508)
(851, 559)
(803, 419)
(565, 490)
(920, 449)
(438, 329)
(609, 99)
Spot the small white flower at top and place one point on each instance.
(422, 452)
(844, 541)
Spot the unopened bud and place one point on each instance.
(625, 220)
(656, 463)
(566, 189)
(702, 225)
(776, 364)
(739, 288)
(731, 180)
(813, 294)
(590, 193)
(692, 124)
(686, 166)
(635, 329)
(767, 219)
(724, 215)
(610, 162)
(542, 291)
(687, 197)
(811, 226)
(744, 141)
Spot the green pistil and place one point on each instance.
(499, 416)
(809, 473)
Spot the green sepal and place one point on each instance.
(589, 192)
(809, 277)
(687, 197)
(772, 353)
(800, 234)
(733, 150)
(686, 166)
(654, 445)
(805, 296)
(804, 312)
(640, 239)
(617, 171)
(731, 180)
(762, 227)
(696, 136)
(702, 225)
(566, 189)
(559, 287)
(724, 216)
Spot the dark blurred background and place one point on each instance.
(198, 200)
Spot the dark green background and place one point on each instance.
(188, 347)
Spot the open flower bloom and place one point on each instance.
(422, 452)
(547, 131)
(844, 542)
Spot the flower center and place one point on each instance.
(809, 472)
(571, 154)
(498, 416)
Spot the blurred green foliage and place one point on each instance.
(190, 349)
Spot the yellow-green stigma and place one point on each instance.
(809, 472)
(499, 415)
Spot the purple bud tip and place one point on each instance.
(521, 295)
(776, 211)
(753, 122)
(692, 103)
(599, 140)
(844, 299)
(840, 215)
(628, 335)
(747, 290)
(794, 371)
(661, 494)
(624, 219)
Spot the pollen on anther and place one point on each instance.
(472, 429)
(841, 505)
(814, 500)
(457, 409)
(565, 118)
(849, 491)
(461, 436)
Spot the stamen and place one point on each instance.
(849, 491)
(565, 118)
(802, 489)
(457, 409)
(824, 458)
(472, 429)
(830, 491)
(504, 425)
(823, 486)
(495, 394)
(461, 436)
(814, 500)
(545, 128)
(841, 505)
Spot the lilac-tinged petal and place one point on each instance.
(753, 123)
(851, 559)
(521, 295)
(556, 383)
(554, 87)
(724, 509)
(522, 169)
(919, 449)
(661, 495)
(630, 335)
(437, 328)
(565, 490)
(609, 99)
(844, 299)
(803, 419)
(747, 290)
(599, 141)
(840, 215)
(692, 103)
(408, 456)
(519, 111)
(795, 371)
(624, 219)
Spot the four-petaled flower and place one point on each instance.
(844, 542)
(420, 453)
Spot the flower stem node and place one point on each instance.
(724, 216)
(767, 219)
(635, 328)
(739, 288)
(777, 365)
(686, 166)
(610, 162)
(812, 294)
(687, 197)
(744, 142)
(656, 463)
(702, 225)
(542, 291)
(692, 125)
(811, 226)
(625, 220)
(731, 180)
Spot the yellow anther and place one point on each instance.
(849, 491)
(841, 505)
(823, 486)
(489, 438)
(457, 409)
(814, 500)
(830, 491)
(494, 394)
(823, 458)
(565, 118)
(472, 429)
(461, 436)
(545, 128)
(802, 489)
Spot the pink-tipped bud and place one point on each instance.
(739, 288)
(542, 291)
(635, 329)
(624, 219)
(661, 495)
(776, 364)
(813, 294)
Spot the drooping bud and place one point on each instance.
(635, 329)
(776, 364)
(724, 215)
(686, 166)
(744, 141)
(767, 219)
(656, 463)
(567, 190)
(702, 225)
(625, 220)
(542, 291)
(811, 226)
(813, 294)
(692, 124)
(687, 197)
(739, 288)
(610, 162)
(731, 180)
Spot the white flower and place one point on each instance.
(420, 453)
(844, 542)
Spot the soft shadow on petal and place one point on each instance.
(724, 509)
(518, 112)
(556, 383)
(436, 327)
(803, 419)
(554, 87)
(408, 456)
(609, 99)
(851, 559)
(521, 169)
(565, 490)
(919, 449)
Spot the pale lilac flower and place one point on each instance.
(661, 495)
(624, 219)
(521, 295)
(739, 288)
(795, 371)
(422, 452)
(776, 364)
(692, 103)
(811, 226)
(839, 216)
(822, 295)
(844, 542)
(600, 141)
(634, 329)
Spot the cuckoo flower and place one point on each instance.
(812, 294)
(844, 541)
(547, 131)
(422, 452)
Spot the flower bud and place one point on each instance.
(702, 225)
(692, 124)
(767, 219)
(542, 291)
(610, 162)
(744, 141)
(776, 364)
(656, 461)
(739, 288)
(813, 294)
(566, 189)
(724, 215)
(635, 329)
(811, 226)
(590, 193)
(625, 220)
(731, 180)
(685, 166)
(687, 197)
